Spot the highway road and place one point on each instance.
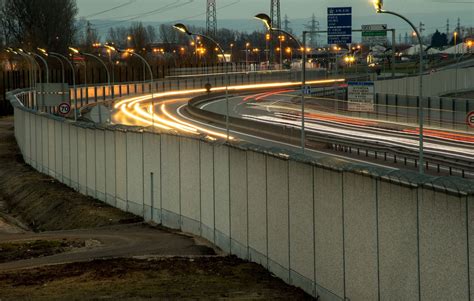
(168, 111)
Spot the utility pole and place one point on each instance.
(421, 29)
(399, 38)
(286, 23)
(276, 23)
(406, 38)
(312, 27)
(211, 18)
(447, 29)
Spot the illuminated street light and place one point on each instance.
(182, 28)
(379, 7)
(267, 21)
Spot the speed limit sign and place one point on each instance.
(64, 108)
(470, 119)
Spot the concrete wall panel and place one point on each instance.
(398, 250)
(74, 132)
(328, 232)
(39, 142)
(101, 159)
(152, 156)
(91, 162)
(51, 148)
(27, 138)
(207, 190)
(121, 169)
(278, 216)
(82, 159)
(443, 247)
(190, 185)
(66, 152)
(360, 236)
(58, 150)
(301, 221)
(222, 205)
(110, 161)
(170, 180)
(238, 202)
(135, 173)
(257, 200)
(45, 145)
(35, 150)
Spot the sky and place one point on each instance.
(431, 12)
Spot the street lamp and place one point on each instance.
(60, 56)
(131, 53)
(76, 51)
(182, 28)
(379, 8)
(45, 53)
(267, 21)
(32, 56)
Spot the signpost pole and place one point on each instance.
(303, 84)
(393, 53)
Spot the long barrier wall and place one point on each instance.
(339, 231)
(435, 84)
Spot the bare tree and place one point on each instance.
(39, 23)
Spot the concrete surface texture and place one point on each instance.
(336, 234)
(435, 84)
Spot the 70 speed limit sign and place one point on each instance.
(470, 119)
(64, 108)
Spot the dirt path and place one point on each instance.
(109, 242)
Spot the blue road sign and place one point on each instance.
(339, 25)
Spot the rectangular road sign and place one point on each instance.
(361, 96)
(306, 90)
(339, 25)
(52, 94)
(375, 34)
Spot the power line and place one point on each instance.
(110, 9)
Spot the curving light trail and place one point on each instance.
(142, 109)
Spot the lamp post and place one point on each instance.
(44, 62)
(76, 51)
(378, 6)
(32, 78)
(267, 21)
(33, 61)
(455, 44)
(145, 62)
(182, 28)
(45, 53)
(73, 79)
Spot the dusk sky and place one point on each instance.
(432, 12)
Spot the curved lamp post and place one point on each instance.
(30, 65)
(45, 53)
(182, 28)
(267, 21)
(59, 57)
(76, 51)
(113, 48)
(44, 62)
(378, 6)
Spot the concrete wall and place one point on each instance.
(337, 234)
(435, 84)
